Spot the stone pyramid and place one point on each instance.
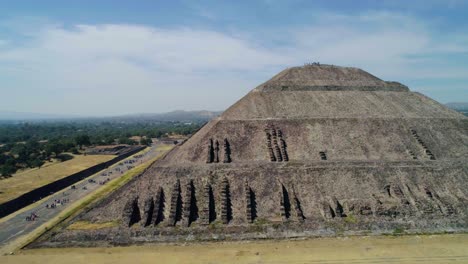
(317, 150)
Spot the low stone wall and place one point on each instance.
(28, 198)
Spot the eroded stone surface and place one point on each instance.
(317, 150)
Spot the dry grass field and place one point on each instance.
(400, 249)
(28, 180)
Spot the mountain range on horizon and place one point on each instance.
(176, 115)
(458, 106)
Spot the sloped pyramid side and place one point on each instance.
(351, 125)
(327, 78)
(362, 129)
(385, 157)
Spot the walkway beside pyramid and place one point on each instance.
(318, 150)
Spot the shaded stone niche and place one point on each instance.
(175, 213)
(276, 145)
(210, 154)
(131, 213)
(226, 206)
(323, 155)
(250, 203)
(190, 204)
(184, 206)
(290, 207)
(159, 202)
(148, 212)
(208, 212)
(333, 208)
(391, 201)
(213, 155)
(153, 210)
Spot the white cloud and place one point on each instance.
(391, 46)
(138, 67)
(118, 68)
(170, 49)
(424, 4)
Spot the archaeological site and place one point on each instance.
(318, 150)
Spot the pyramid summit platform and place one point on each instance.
(318, 150)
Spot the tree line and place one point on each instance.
(30, 145)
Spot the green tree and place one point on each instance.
(7, 170)
(54, 147)
(109, 140)
(74, 151)
(146, 141)
(82, 140)
(125, 140)
(36, 163)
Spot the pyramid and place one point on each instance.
(316, 150)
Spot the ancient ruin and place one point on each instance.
(318, 150)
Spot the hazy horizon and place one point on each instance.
(18, 116)
(111, 58)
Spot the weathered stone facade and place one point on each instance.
(317, 150)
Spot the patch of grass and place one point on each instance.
(215, 225)
(259, 224)
(261, 221)
(351, 219)
(337, 226)
(398, 231)
(86, 225)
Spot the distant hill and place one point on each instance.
(174, 116)
(459, 106)
(12, 116)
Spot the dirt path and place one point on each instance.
(404, 249)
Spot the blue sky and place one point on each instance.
(115, 57)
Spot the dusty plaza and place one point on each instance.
(377, 249)
(317, 151)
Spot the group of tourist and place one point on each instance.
(32, 217)
(57, 202)
(104, 182)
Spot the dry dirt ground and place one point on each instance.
(28, 180)
(448, 248)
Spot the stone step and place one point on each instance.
(225, 202)
(148, 212)
(158, 212)
(175, 211)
